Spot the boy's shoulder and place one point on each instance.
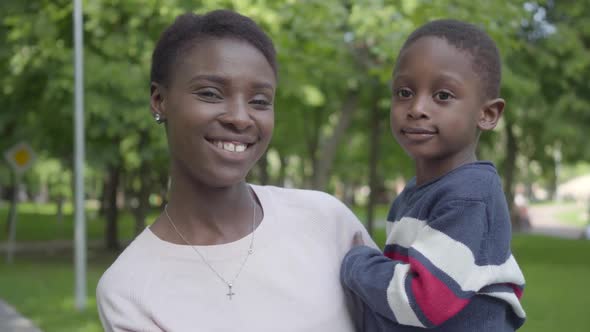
(473, 181)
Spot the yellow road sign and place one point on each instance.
(20, 157)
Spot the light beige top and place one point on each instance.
(290, 284)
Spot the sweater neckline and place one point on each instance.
(413, 187)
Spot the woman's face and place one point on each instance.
(219, 111)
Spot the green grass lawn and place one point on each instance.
(557, 295)
(42, 288)
(38, 222)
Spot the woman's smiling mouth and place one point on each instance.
(230, 146)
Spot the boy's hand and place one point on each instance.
(357, 239)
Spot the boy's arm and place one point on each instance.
(431, 271)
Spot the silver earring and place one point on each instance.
(159, 119)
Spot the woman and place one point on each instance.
(225, 255)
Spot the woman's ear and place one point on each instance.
(490, 114)
(157, 102)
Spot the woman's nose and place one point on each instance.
(237, 115)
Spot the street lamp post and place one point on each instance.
(80, 222)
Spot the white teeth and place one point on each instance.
(232, 147)
(229, 147)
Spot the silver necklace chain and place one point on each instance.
(231, 282)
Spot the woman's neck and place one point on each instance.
(205, 215)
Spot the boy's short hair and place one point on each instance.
(189, 29)
(471, 39)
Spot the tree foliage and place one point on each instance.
(335, 63)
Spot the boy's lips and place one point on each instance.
(418, 135)
(418, 131)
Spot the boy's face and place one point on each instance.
(436, 103)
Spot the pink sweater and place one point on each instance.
(290, 283)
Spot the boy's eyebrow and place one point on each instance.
(449, 76)
(397, 77)
(441, 77)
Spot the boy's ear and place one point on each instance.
(490, 114)
(157, 102)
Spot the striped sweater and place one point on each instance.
(447, 264)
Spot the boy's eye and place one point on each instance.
(404, 93)
(443, 95)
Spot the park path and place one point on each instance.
(544, 221)
(12, 321)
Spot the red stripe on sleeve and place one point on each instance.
(397, 257)
(437, 301)
(517, 290)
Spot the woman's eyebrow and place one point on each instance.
(224, 81)
(211, 78)
(263, 85)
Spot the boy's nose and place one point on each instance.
(418, 109)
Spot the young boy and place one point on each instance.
(447, 263)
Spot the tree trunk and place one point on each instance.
(145, 185)
(13, 202)
(112, 210)
(375, 135)
(164, 182)
(312, 136)
(102, 209)
(329, 146)
(143, 196)
(263, 169)
(59, 202)
(282, 171)
(509, 170)
(348, 193)
(552, 183)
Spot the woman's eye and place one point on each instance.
(208, 94)
(261, 102)
(404, 93)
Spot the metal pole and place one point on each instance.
(80, 226)
(12, 221)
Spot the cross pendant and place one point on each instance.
(230, 293)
